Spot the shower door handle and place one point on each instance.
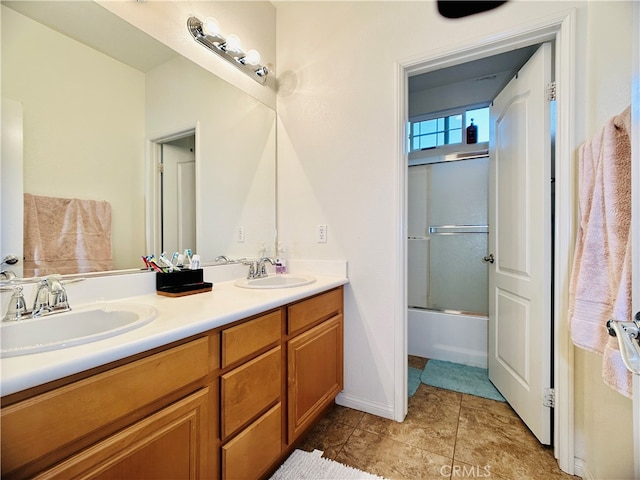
(489, 258)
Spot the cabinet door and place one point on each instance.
(172, 443)
(315, 366)
(86, 411)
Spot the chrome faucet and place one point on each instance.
(261, 269)
(258, 268)
(17, 309)
(50, 297)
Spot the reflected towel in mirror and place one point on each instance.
(66, 235)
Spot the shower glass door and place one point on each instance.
(458, 275)
(448, 236)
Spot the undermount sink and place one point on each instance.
(284, 280)
(78, 326)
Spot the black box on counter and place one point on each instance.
(181, 282)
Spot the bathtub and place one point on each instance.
(458, 338)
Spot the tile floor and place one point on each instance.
(446, 435)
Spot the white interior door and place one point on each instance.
(11, 184)
(178, 199)
(635, 217)
(520, 240)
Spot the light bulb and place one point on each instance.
(210, 26)
(252, 57)
(233, 44)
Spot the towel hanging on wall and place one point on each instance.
(600, 287)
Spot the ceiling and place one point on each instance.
(506, 62)
(92, 25)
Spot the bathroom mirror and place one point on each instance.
(101, 98)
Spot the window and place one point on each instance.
(429, 131)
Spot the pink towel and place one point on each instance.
(600, 287)
(66, 235)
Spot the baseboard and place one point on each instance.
(357, 403)
(580, 469)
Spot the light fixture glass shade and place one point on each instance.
(210, 26)
(232, 44)
(208, 35)
(252, 57)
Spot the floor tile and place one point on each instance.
(446, 435)
(328, 437)
(417, 362)
(503, 444)
(392, 459)
(345, 415)
(431, 423)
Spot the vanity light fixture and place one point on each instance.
(208, 33)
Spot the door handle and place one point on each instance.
(489, 258)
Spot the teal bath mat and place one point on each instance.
(460, 378)
(414, 380)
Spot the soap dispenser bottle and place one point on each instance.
(281, 263)
(472, 133)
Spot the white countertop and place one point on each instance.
(177, 318)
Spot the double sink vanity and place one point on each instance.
(213, 385)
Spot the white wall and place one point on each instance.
(64, 86)
(338, 154)
(466, 92)
(606, 415)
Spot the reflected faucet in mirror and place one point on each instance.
(8, 274)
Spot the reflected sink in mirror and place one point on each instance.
(276, 281)
(79, 326)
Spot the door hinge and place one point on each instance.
(549, 399)
(161, 168)
(551, 92)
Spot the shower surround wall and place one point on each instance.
(447, 277)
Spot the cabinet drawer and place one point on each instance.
(249, 454)
(171, 443)
(250, 337)
(44, 424)
(308, 312)
(248, 390)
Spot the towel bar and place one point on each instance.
(628, 335)
(457, 229)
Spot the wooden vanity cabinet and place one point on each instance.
(315, 358)
(123, 419)
(227, 404)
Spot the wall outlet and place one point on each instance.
(322, 234)
(240, 234)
